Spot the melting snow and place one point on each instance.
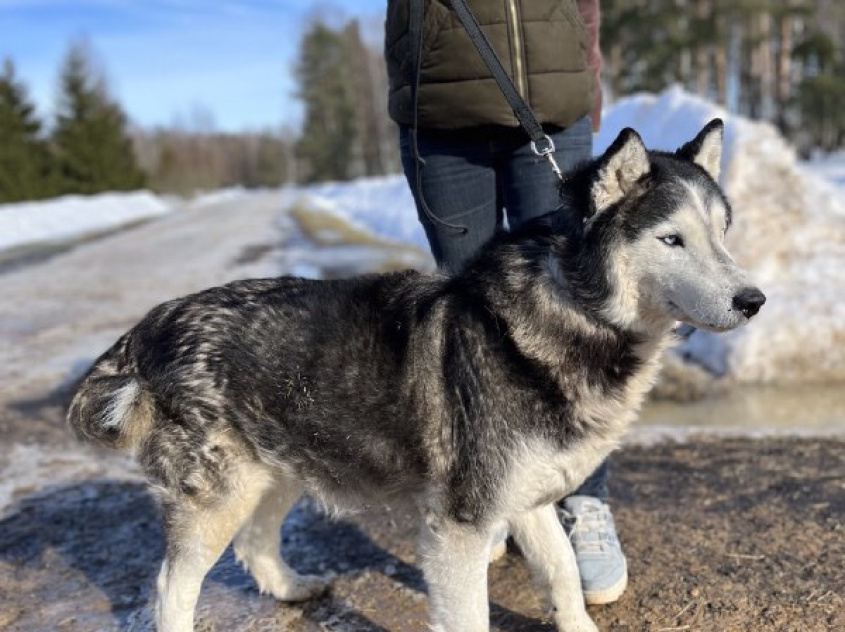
(73, 216)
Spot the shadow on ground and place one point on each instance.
(90, 552)
(97, 546)
(729, 535)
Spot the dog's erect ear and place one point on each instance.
(624, 162)
(705, 150)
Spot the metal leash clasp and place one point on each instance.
(547, 151)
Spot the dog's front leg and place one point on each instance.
(454, 559)
(549, 554)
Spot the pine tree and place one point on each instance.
(93, 151)
(25, 172)
(329, 134)
(269, 169)
(822, 91)
(781, 60)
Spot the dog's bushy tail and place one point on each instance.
(110, 406)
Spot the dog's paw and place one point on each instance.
(498, 551)
(575, 624)
(276, 578)
(299, 588)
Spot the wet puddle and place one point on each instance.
(798, 409)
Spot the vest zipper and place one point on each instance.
(516, 47)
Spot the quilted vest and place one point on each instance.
(541, 43)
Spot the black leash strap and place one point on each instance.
(541, 144)
(417, 9)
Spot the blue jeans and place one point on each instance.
(474, 180)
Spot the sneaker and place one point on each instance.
(603, 568)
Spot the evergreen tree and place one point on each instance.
(24, 155)
(93, 151)
(329, 134)
(268, 168)
(780, 60)
(821, 93)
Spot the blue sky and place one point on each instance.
(166, 59)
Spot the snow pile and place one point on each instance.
(831, 167)
(382, 206)
(665, 121)
(74, 216)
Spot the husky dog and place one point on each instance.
(480, 398)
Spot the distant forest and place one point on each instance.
(778, 60)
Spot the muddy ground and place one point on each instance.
(727, 535)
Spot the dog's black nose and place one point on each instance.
(749, 301)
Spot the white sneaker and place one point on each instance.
(603, 568)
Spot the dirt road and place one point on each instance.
(731, 535)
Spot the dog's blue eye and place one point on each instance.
(672, 240)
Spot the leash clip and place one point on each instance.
(547, 151)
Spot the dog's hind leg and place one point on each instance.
(549, 554)
(454, 558)
(257, 546)
(197, 533)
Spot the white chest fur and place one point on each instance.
(540, 475)
(541, 472)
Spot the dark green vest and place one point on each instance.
(541, 43)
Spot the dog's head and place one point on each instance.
(657, 221)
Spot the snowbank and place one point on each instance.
(73, 216)
(382, 206)
(789, 230)
(831, 167)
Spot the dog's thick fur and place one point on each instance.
(480, 398)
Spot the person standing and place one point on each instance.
(471, 169)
